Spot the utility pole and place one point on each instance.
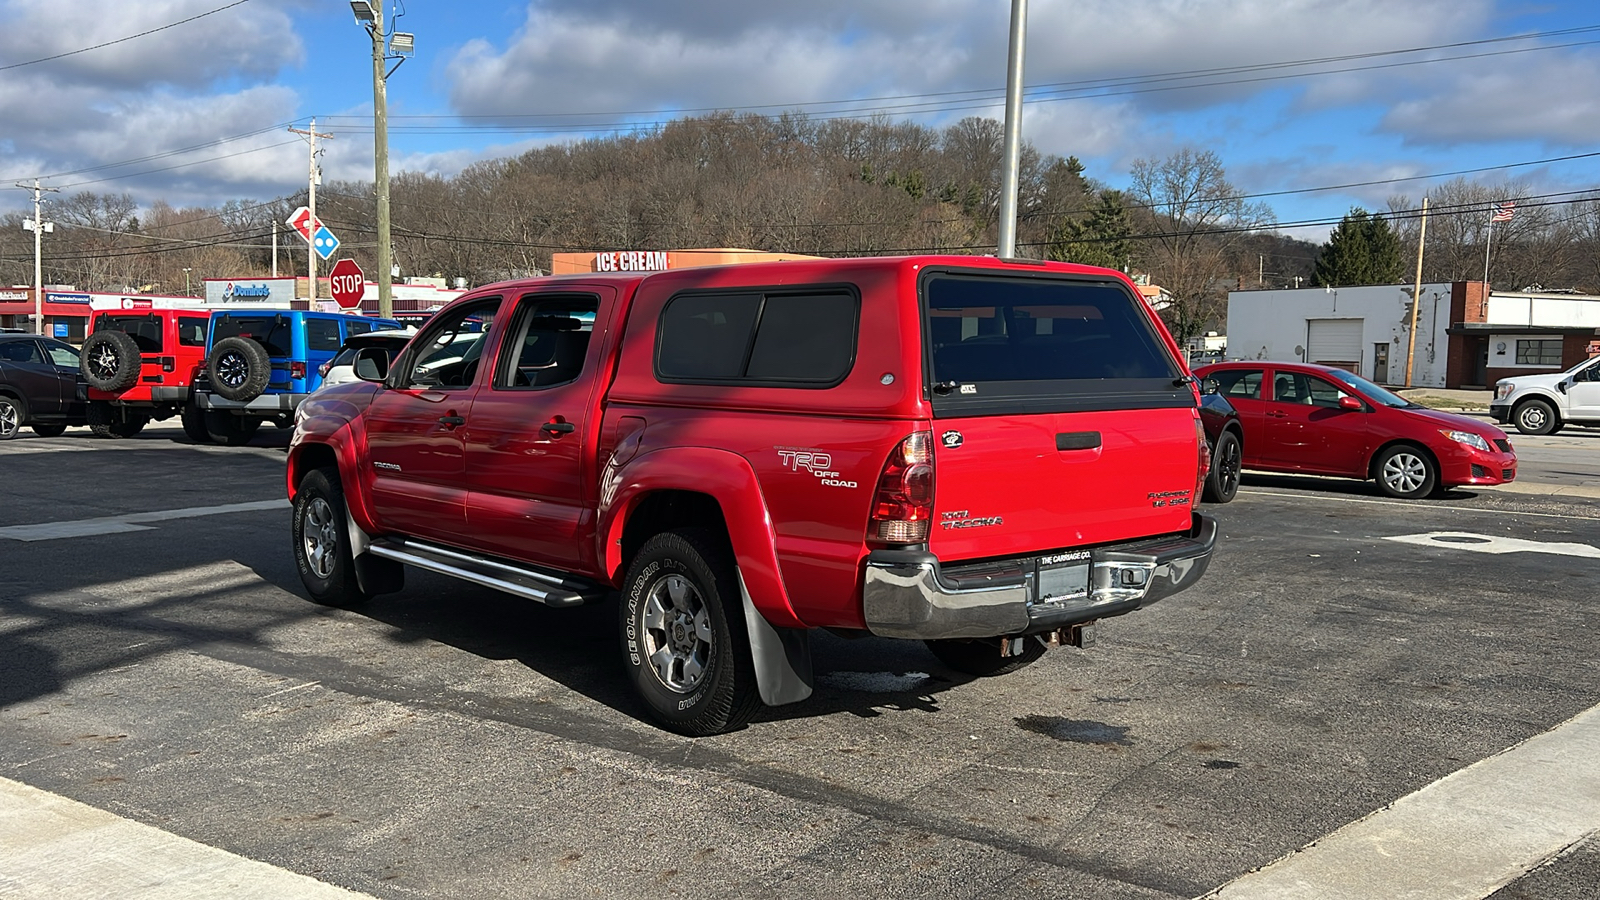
(315, 177)
(385, 46)
(1013, 145)
(274, 248)
(39, 227)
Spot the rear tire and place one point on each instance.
(228, 429)
(239, 368)
(1222, 482)
(322, 549)
(981, 658)
(130, 424)
(194, 423)
(111, 361)
(684, 643)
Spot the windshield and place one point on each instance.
(1379, 395)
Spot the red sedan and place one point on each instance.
(1317, 420)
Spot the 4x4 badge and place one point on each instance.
(951, 439)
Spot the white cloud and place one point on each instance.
(1492, 101)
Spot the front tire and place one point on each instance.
(48, 430)
(1536, 417)
(1406, 472)
(10, 418)
(982, 658)
(683, 636)
(322, 550)
(1222, 483)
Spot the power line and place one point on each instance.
(130, 37)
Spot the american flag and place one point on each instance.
(1504, 213)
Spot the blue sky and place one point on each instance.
(206, 102)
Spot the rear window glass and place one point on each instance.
(145, 330)
(1239, 383)
(1034, 344)
(323, 335)
(192, 330)
(272, 332)
(780, 339)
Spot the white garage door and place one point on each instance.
(1334, 342)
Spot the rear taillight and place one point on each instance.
(297, 370)
(902, 507)
(1204, 468)
(323, 369)
(168, 364)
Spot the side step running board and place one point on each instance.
(523, 581)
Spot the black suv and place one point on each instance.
(39, 385)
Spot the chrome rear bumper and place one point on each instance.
(909, 594)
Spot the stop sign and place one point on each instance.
(347, 283)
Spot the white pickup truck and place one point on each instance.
(1542, 404)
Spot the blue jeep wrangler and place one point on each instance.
(260, 363)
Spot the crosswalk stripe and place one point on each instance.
(53, 847)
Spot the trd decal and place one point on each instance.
(817, 462)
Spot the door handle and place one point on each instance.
(558, 428)
(452, 421)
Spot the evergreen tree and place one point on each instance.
(1363, 249)
(1099, 239)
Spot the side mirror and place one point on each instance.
(1350, 403)
(1210, 386)
(372, 364)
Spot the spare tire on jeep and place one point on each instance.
(239, 368)
(111, 361)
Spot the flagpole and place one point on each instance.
(1486, 245)
(1416, 295)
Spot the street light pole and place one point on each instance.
(186, 281)
(1007, 243)
(39, 227)
(370, 14)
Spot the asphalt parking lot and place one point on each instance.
(1343, 652)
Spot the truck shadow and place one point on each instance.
(579, 649)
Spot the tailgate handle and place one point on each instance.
(1078, 440)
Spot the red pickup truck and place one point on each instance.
(983, 454)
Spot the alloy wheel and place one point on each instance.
(10, 421)
(677, 633)
(1405, 472)
(321, 537)
(232, 369)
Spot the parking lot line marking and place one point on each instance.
(50, 531)
(1462, 837)
(56, 847)
(1412, 504)
(1485, 543)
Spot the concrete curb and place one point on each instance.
(1542, 490)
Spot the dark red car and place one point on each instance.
(1318, 420)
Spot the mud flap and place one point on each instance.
(374, 575)
(782, 656)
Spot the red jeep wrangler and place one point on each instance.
(141, 365)
(986, 455)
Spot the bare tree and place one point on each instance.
(1191, 218)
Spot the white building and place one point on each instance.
(1463, 339)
